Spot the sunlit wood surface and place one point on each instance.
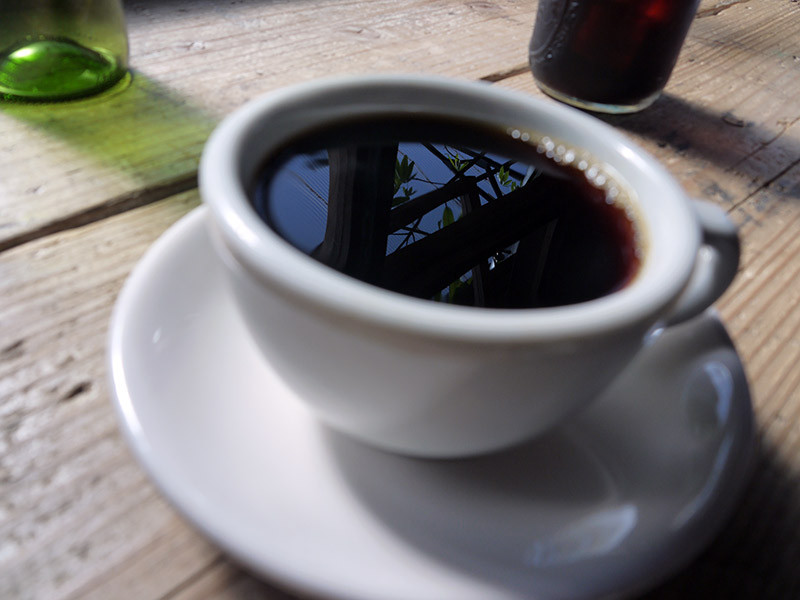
(86, 187)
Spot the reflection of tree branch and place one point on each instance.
(410, 231)
(461, 171)
(361, 182)
(428, 265)
(446, 161)
(422, 177)
(415, 208)
(411, 208)
(478, 159)
(493, 164)
(413, 229)
(495, 187)
(480, 275)
(307, 185)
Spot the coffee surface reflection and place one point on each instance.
(452, 211)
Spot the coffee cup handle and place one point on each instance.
(715, 267)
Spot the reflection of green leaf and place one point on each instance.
(408, 192)
(403, 172)
(504, 177)
(455, 161)
(451, 293)
(453, 290)
(447, 216)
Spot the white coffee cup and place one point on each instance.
(433, 380)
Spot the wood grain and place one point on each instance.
(74, 506)
(86, 187)
(71, 163)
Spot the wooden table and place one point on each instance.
(86, 187)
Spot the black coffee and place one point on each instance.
(452, 211)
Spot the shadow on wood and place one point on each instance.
(725, 139)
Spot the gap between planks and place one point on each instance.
(113, 207)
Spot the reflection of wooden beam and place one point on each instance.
(428, 265)
(413, 209)
(480, 275)
(359, 200)
(523, 284)
(459, 186)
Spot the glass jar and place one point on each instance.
(612, 56)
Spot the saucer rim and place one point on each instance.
(286, 574)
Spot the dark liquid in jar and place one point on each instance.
(451, 211)
(614, 52)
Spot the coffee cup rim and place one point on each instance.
(228, 157)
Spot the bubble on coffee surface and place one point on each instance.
(453, 211)
(601, 175)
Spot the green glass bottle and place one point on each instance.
(60, 49)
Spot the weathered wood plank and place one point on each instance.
(224, 581)
(74, 506)
(78, 518)
(68, 164)
(194, 63)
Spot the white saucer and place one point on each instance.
(624, 495)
